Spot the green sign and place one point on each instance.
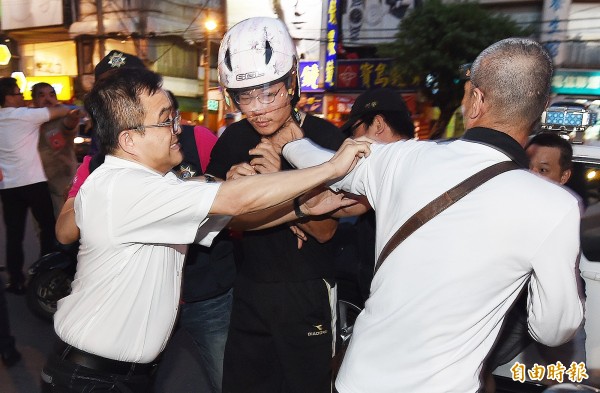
(576, 82)
(213, 105)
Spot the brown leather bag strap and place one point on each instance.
(440, 204)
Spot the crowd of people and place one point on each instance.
(229, 237)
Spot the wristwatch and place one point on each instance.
(355, 17)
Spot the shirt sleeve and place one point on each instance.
(304, 153)
(554, 306)
(171, 211)
(37, 116)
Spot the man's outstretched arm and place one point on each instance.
(252, 193)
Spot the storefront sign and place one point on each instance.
(332, 41)
(309, 76)
(4, 55)
(578, 82)
(311, 104)
(555, 17)
(63, 86)
(366, 74)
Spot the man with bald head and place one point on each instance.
(437, 303)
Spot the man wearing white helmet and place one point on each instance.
(281, 336)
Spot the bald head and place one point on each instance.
(515, 76)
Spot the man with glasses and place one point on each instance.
(136, 218)
(24, 185)
(281, 336)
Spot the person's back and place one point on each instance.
(448, 303)
(439, 299)
(23, 185)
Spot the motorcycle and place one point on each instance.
(49, 280)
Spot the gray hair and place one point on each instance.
(515, 75)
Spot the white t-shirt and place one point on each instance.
(135, 226)
(437, 303)
(19, 135)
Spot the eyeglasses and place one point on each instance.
(265, 97)
(173, 123)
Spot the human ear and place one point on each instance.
(565, 176)
(126, 141)
(477, 103)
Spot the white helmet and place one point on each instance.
(256, 52)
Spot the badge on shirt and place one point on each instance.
(185, 172)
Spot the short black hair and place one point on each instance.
(40, 85)
(114, 103)
(400, 122)
(551, 139)
(7, 87)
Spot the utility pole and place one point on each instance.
(209, 26)
(100, 28)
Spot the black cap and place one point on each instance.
(116, 59)
(375, 100)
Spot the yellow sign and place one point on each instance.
(4, 55)
(63, 86)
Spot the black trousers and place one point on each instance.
(280, 338)
(15, 202)
(6, 340)
(64, 375)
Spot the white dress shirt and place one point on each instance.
(437, 303)
(19, 135)
(135, 226)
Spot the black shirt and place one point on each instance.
(272, 255)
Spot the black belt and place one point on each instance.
(99, 363)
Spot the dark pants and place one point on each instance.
(62, 375)
(15, 202)
(280, 338)
(207, 321)
(6, 340)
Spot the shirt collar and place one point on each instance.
(118, 162)
(499, 141)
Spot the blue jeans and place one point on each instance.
(207, 322)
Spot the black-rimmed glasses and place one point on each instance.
(173, 123)
(264, 97)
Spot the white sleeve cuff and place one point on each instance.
(210, 228)
(304, 153)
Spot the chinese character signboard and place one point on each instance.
(332, 40)
(576, 82)
(555, 19)
(309, 76)
(366, 74)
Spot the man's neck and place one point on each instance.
(514, 130)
